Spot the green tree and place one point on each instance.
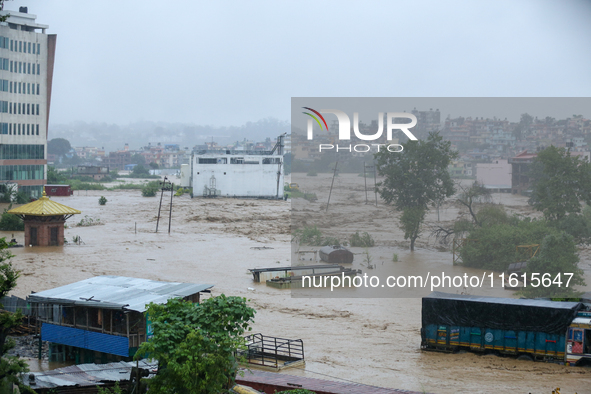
(138, 159)
(196, 345)
(559, 183)
(55, 177)
(153, 165)
(10, 366)
(140, 171)
(58, 146)
(558, 255)
(416, 178)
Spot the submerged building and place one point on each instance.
(101, 319)
(236, 173)
(26, 72)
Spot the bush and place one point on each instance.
(102, 200)
(313, 236)
(557, 255)
(10, 222)
(87, 221)
(494, 247)
(363, 240)
(395, 258)
(312, 173)
(126, 186)
(150, 189)
(75, 184)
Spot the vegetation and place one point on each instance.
(415, 180)
(312, 173)
(559, 183)
(296, 391)
(102, 200)
(150, 189)
(10, 222)
(313, 236)
(116, 389)
(11, 194)
(395, 258)
(87, 221)
(557, 255)
(140, 171)
(197, 346)
(363, 240)
(58, 146)
(10, 366)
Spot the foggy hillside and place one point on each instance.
(113, 137)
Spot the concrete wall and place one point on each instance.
(238, 180)
(497, 173)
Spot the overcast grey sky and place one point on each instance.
(228, 62)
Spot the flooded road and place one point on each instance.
(372, 341)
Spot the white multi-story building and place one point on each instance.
(256, 174)
(26, 71)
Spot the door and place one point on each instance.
(53, 236)
(33, 236)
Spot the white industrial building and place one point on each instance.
(236, 173)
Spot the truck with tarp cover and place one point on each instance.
(534, 329)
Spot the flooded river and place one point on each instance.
(374, 341)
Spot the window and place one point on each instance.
(38, 49)
(19, 87)
(28, 88)
(28, 109)
(38, 69)
(28, 68)
(4, 86)
(20, 46)
(11, 47)
(37, 113)
(34, 46)
(20, 67)
(37, 89)
(29, 47)
(19, 129)
(28, 130)
(19, 108)
(10, 129)
(38, 132)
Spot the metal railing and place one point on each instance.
(271, 351)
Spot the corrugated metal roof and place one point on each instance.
(85, 374)
(44, 207)
(117, 292)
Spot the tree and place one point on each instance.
(138, 159)
(58, 146)
(140, 171)
(559, 183)
(196, 345)
(153, 165)
(414, 179)
(557, 256)
(10, 366)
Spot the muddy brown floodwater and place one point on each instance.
(370, 341)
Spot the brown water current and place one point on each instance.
(370, 341)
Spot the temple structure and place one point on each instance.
(44, 221)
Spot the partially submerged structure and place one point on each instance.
(236, 173)
(291, 277)
(336, 254)
(101, 319)
(44, 221)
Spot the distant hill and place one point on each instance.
(112, 137)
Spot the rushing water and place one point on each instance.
(371, 341)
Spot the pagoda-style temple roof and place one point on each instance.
(44, 207)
